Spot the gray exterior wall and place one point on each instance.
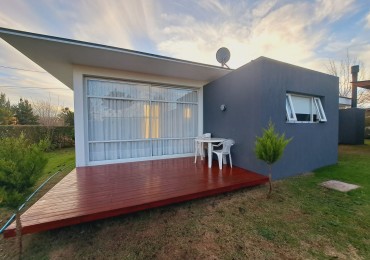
(351, 126)
(255, 93)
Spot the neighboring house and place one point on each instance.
(344, 102)
(367, 123)
(132, 106)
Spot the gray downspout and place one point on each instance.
(354, 71)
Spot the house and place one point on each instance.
(134, 106)
(352, 126)
(344, 102)
(302, 103)
(128, 105)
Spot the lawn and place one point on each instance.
(61, 161)
(301, 221)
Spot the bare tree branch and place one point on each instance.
(342, 69)
(47, 112)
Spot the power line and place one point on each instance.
(13, 68)
(34, 88)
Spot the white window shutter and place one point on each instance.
(320, 110)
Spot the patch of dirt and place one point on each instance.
(350, 253)
(294, 215)
(67, 252)
(176, 250)
(8, 248)
(333, 253)
(207, 246)
(353, 253)
(258, 248)
(181, 213)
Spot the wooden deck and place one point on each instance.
(97, 192)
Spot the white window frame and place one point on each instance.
(315, 104)
(290, 113)
(319, 109)
(152, 84)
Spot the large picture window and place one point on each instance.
(304, 109)
(136, 120)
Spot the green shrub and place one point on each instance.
(59, 136)
(21, 163)
(270, 147)
(367, 124)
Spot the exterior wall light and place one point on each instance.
(223, 107)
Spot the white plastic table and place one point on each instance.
(210, 141)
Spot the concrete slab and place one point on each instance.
(339, 185)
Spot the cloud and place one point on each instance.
(298, 32)
(332, 10)
(27, 84)
(111, 22)
(21, 15)
(114, 22)
(215, 6)
(291, 31)
(35, 88)
(362, 52)
(24, 15)
(280, 33)
(263, 8)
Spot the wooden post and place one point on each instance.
(354, 71)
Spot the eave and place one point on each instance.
(58, 56)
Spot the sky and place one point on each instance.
(305, 33)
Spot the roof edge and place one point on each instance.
(264, 58)
(104, 47)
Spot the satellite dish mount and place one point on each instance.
(223, 56)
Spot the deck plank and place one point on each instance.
(97, 192)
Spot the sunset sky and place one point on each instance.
(305, 33)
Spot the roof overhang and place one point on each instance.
(362, 84)
(58, 55)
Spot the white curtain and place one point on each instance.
(133, 120)
(303, 105)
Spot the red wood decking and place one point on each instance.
(97, 192)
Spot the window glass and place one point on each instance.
(320, 110)
(300, 108)
(135, 120)
(289, 109)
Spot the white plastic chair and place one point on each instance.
(221, 154)
(199, 147)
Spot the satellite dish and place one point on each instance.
(223, 56)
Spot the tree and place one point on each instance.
(67, 116)
(270, 147)
(48, 114)
(5, 110)
(342, 69)
(21, 163)
(24, 113)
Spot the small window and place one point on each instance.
(290, 109)
(304, 109)
(319, 109)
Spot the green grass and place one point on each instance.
(302, 220)
(62, 160)
(58, 160)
